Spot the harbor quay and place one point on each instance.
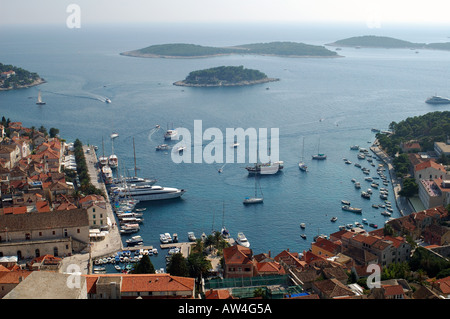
(112, 241)
(402, 203)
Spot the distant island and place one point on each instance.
(12, 77)
(224, 76)
(372, 41)
(182, 50)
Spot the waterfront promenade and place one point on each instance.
(112, 242)
(401, 202)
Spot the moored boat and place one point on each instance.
(242, 240)
(352, 209)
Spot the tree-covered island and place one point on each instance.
(372, 41)
(183, 50)
(225, 76)
(12, 77)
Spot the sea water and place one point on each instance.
(329, 103)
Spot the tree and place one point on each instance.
(178, 265)
(53, 132)
(144, 266)
(409, 188)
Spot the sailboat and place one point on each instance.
(39, 99)
(301, 164)
(319, 156)
(113, 161)
(256, 199)
(103, 160)
(224, 232)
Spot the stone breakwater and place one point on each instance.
(223, 83)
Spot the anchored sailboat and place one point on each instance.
(319, 156)
(301, 164)
(256, 199)
(39, 99)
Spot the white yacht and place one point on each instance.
(149, 192)
(113, 161)
(103, 160)
(163, 239)
(265, 168)
(242, 240)
(170, 134)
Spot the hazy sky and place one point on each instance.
(370, 12)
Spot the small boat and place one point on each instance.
(191, 236)
(373, 225)
(175, 238)
(333, 219)
(141, 209)
(357, 185)
(375, 206)
(303, 225)
(354, 147)
(170, 134)
(242, 240)
(180, 149)
(107, 100)
(114, 135)
(385, 213)
(352, 209)
(225, 233)
(234, 145)
(342, 227)
(163, 239)
(303, 236)
(365, 195)
(135, 240)
(162, 147)
(345, 202)
(364, 221)
(168, 237)
(118, 268)
(358, 224)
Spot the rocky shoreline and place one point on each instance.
(35, 83)
(225, 84)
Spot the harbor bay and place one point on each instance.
(327, 104)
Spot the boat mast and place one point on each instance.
(134, 153)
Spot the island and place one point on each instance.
(225, 76)
(12, 77)
(372, 41)
(183, 50)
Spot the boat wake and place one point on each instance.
(89, 96)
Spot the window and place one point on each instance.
(78, 231)
(55, 251)
(93, 216)
(37, 253)
(93, 210)
(40, 234)
(27, 236)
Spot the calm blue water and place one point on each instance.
(365, 89)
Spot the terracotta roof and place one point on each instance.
(13, 277)
(270, 267)
(218, 294)
(14, 210)
(146, 282)
(237, 254)
(429, 163)
(392, 290)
